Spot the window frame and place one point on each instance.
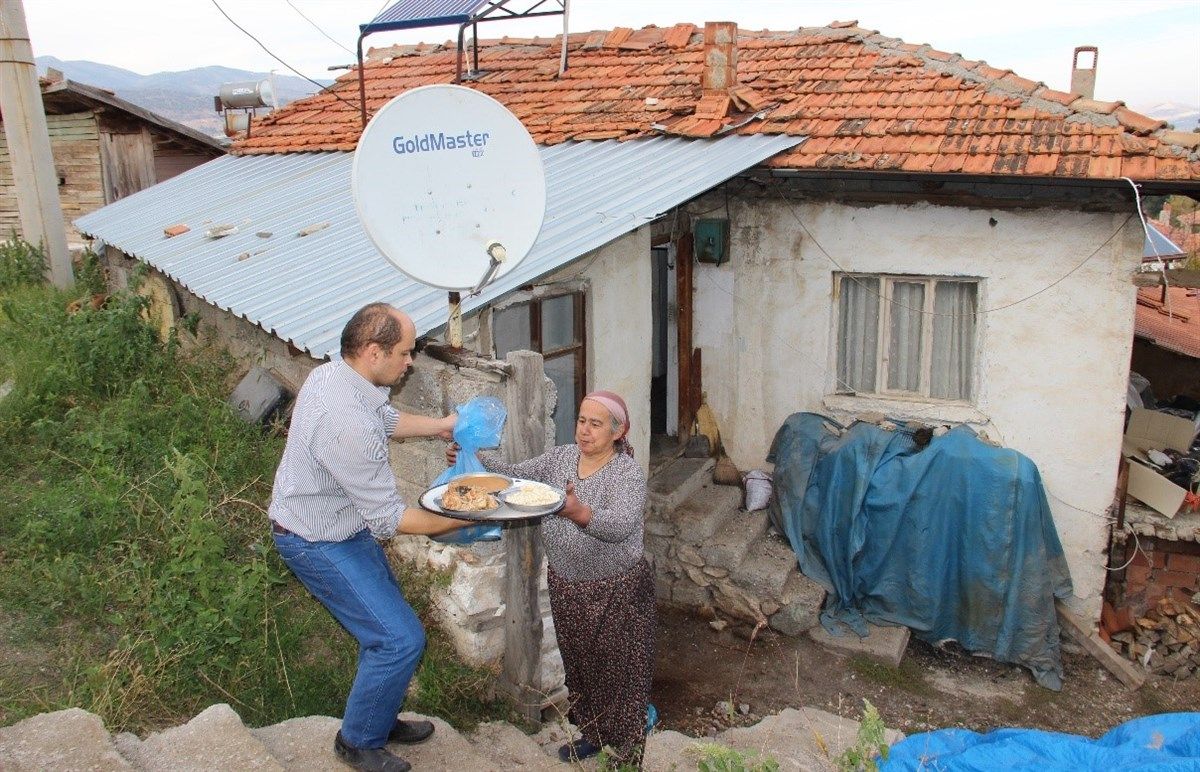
(884, 336)
(577, 349)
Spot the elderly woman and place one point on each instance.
(601, 587)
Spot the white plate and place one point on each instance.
(431, 500)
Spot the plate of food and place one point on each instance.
(535, 497)
(470, 498)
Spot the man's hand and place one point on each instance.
(451, 453)
(418, 521)
(446, 431)
(412, 425)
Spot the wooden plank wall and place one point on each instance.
(128, 159)
(74, 143)
(170, 159)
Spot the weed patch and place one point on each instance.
(907, 677)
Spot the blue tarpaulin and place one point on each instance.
(953, 539)
(1170, 741)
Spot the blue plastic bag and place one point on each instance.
(480, 423)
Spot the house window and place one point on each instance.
(552, 326)
(906, 335)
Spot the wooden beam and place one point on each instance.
(1176, 277)
(464, 358)
(683, 303)
(525, 437)
(1087, 637)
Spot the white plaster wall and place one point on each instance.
(1051, 370)
(618, 330)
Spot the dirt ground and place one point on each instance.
(707, 680)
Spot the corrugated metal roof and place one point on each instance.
(304, 288)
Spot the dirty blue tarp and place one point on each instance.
(954, 541)
(1170, 741)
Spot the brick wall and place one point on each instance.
(1160, 569)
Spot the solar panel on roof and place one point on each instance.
(412, 14)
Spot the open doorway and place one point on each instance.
(664, 376)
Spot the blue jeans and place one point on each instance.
(353, 580)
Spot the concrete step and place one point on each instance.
(767, 566)
(885, 643)
(215, 739)
(674, 482)
(700, 515)
(730, 542)
(64, 739)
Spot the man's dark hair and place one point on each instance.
(373, 323)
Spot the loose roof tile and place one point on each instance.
(866, 101)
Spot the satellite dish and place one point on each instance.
(449, 186)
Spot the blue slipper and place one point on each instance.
(577, 751)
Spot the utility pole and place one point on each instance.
(28, 138)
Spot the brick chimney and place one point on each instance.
(1083, 79)
(720, 56)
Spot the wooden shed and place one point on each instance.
(104, 148)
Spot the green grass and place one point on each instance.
(136, 572)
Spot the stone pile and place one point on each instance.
(714, 557)
(803, 739)
(1166, 640)
(470, 606)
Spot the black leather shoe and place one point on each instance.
(368, 759)
(410, 732)
(577, 751)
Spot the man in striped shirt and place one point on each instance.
(334, 497)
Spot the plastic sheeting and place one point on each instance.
(953, 540)
(1170, 741)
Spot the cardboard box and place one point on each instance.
(1152, 430)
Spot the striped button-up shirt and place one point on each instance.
(334, 479)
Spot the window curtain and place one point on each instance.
(954, 305)
(905, 331)
(858, 333)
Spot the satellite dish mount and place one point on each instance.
(416, 14)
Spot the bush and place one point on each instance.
(21, 264)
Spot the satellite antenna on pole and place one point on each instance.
(450, 188)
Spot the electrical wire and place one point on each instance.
(851, 277)
(1137, 547)
(1162, 266)
(323, 89)
(318, 29)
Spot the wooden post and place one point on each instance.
(525, 438)
(34, 178)
(683, 304)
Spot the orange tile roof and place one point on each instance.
(1174, 325)
(865, 101)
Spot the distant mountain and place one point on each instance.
(186, 97)
(1182, 117)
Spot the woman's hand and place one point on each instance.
(575, 510)
(451, 453)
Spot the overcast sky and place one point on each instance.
(1149, 49)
